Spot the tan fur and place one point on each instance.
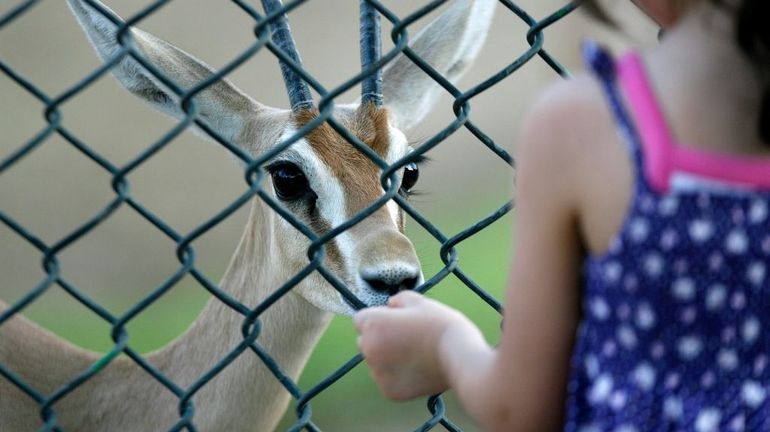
(370, 125)
(334, 258)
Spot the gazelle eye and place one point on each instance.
(289, 181)
(411, 175)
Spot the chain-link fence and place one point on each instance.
(254, 175)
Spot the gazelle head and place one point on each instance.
(321, 178)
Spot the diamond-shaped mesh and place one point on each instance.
(253, 175)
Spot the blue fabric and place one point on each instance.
(675, 316)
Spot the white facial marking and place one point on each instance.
(393, 211)
(332, 205)
(396, 150)
(397, 268)
(331, 208)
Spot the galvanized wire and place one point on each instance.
(253, 175)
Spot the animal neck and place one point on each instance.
(245, 395)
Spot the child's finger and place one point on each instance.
(365, 315)
(404, 298)
(360, 318)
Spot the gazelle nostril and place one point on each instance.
(408, 284)
(391, 286)
(390, 278)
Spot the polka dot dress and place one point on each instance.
(674, 333)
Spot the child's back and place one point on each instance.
(674, 312)
(676, 293)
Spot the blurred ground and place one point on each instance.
(56, 189)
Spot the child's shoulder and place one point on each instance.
(570, 150)
(569, 121)
(575, 104)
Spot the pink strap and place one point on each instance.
(663, 156)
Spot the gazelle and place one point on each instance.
(321, 179)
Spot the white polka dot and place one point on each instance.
(701, 230)
(589, 428)
(630, 283)
(727, 359)
(612, 272)
(683, 289)
(645, 316)
(760, 363)
(644, 376)
(708, 420)
(639, 228)
(668, 239)
(653, 265)
(599, 308)
(736, 242)
(623, 311)
(646, 203)
(609, 348)
(672, 380)
(618, 400)
(672, 408)
(680, 266)
(716, 297)
(600, 389)
(592, 366)
(753, 394)
(728, 334)
(737, 424)
(657, 350)
(688, 315)
(715, 261)
(756, 273)
(703, 200)
(758, 212)
(689, 347)
(738, 300)
(615, 245)
(738, 215)
(626, 428)
(750, 329)
(626, 336)
(668, 205)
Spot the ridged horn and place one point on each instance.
(371, 50)
(280, 32)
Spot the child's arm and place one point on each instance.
(416, 346)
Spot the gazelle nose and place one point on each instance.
(391, 280)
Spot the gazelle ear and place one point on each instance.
(449, 44)
(222, 106)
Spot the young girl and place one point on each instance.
(639, 297)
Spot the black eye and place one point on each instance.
(411, 175)
(289, 181)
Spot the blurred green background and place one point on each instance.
(55, 189)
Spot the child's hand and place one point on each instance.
(402, 343)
